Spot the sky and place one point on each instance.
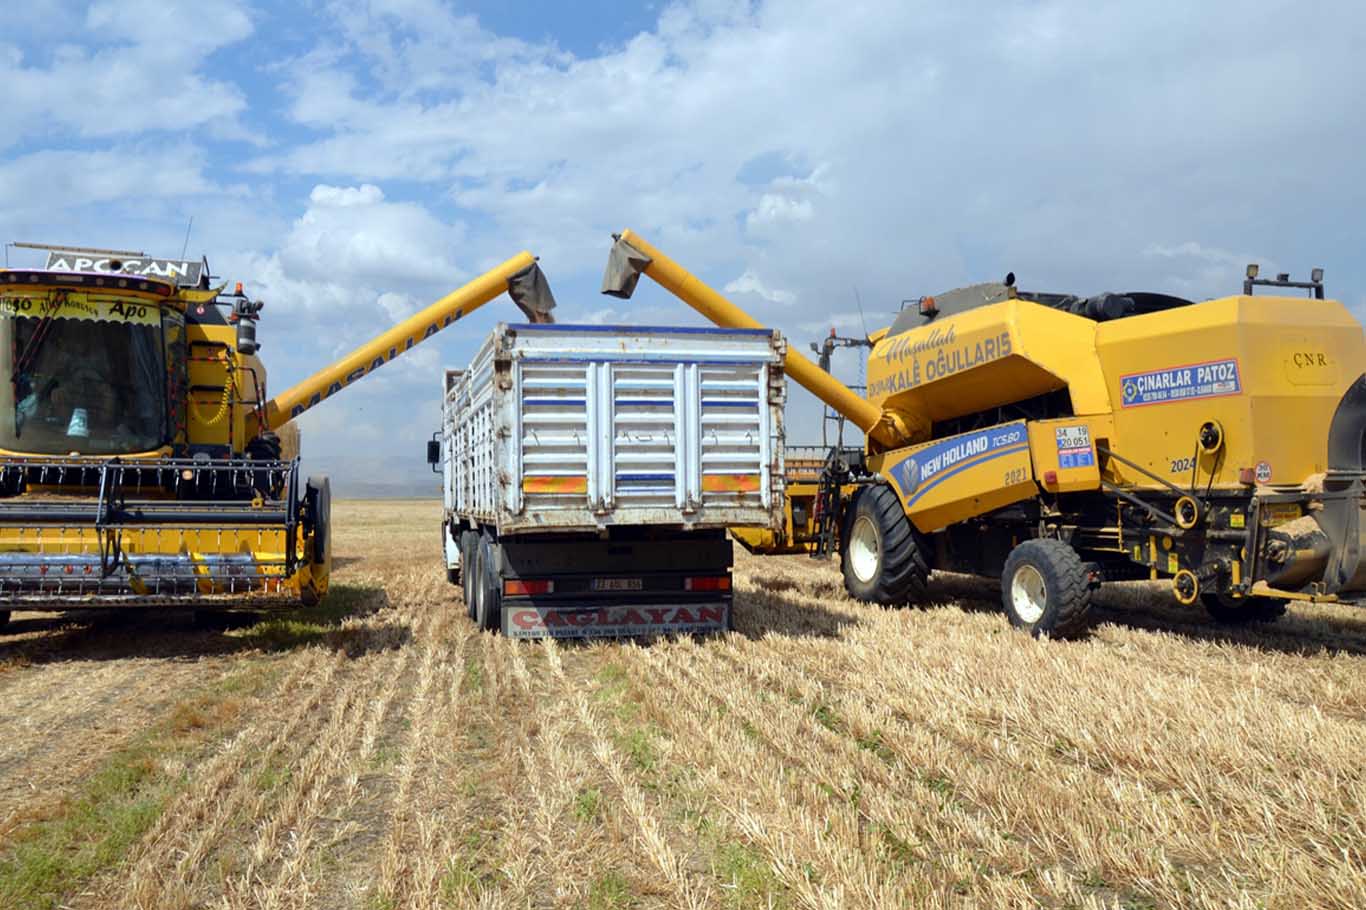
(351, 161)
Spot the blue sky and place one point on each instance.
(351, 161)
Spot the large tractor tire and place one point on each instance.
(884, 559)
(488, 598)
(318, 520)
(1232, 611)
(1046, 589)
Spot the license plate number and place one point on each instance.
(618, 584)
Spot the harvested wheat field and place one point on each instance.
(377, 753)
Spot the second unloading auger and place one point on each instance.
(139, 463)
(1059, 441)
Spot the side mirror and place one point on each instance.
(433, 451)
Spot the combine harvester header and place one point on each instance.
(1060, 441)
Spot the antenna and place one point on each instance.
(186, 246)
(862, 321)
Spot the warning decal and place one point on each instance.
(1074, 447)
(1214, 379)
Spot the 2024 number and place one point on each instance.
(1181, 465)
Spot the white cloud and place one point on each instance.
(1085, 146)
(750, 283)
(344, 196)
(138, 71)
(775, 209)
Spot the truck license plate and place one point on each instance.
(618, 584)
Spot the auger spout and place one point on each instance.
(632, 255)
(519, 276)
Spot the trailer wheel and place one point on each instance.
(468, 558)
(1045, 588)
(448, 536)
(1231, 611)
(489, 598)
(882, 556)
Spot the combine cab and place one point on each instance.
(139, 461)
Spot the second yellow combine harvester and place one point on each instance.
(139, 461)
(1058, 442)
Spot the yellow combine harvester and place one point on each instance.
(139, 461)
(1058, 442)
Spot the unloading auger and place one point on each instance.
(1059, 441)
(139, 460)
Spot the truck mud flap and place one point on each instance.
(615, 621)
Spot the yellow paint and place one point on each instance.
(393, 343)
(1173, 564)
(687, 287)
(730, 483)
(1279, 513)
(545, 484)
(1237, 520)
(960, 365)
(1044, 444)
(946, 481)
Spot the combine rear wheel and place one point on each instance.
(1046, 589)
(1238, 611)
(884, 558)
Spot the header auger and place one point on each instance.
(139, 463)
(1060, 441)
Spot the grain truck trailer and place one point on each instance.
(1059, 441)
(590, 474)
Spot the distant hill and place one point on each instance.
(375, 477)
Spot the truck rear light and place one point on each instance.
(521, 587)
(707, 583)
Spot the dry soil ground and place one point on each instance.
(377, 752)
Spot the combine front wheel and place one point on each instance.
(1045, 588)
(318, 525)
(883, 557)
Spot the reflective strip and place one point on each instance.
(730, 483)
(555, 484)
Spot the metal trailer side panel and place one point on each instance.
(589, 427)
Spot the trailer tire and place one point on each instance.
(883, 557)
(1046, 589)
(448, 533)
(468, 559)
(1236, 612)
(488, 600)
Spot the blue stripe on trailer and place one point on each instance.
(577, 401)
(645, 478)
